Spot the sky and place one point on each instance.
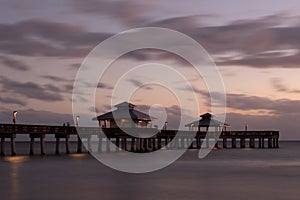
(255, 45)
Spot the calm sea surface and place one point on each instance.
(224, 174)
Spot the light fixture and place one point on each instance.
(77, 120)
(15, 116)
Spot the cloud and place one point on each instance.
(135, 82)
(259, 43)
(274, 106)
(286, 123)
(31, 90)
(55, 78)
(243, 102)
(37, 38)
(126, 12)
(7, 100)
(30, 116)
(14, 64)
(278, 85)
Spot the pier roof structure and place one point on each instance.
(206, 121)
(124, 115)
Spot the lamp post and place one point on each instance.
(165, 126)
(79, 143)
(15, 117)
(77, 120)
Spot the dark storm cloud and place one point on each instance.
(46, 38)
(31, 90)
(14, 64)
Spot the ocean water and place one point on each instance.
(224, 174)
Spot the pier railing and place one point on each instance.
(139, 139)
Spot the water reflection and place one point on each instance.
(16, 163)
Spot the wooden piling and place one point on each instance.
(79, 144)
(233, 143)
(252, 143)
(159, 143)
(62, 135)
(13, 145)
(132, 144)
(269, 143)
(40, 136)
(107, 144)
(2, 146)
(224, 143)
(243, 143)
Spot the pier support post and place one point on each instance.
(42, 144)
(125, 144)
(182, 142)
(117, 143)
(79, 144)
(166, 142)
(252, 143)
(262, 142)
(32, 136)
(132, 144)
(207, 143)
(107, 144)
(2, 146)
(159, 143)
(67, 145)
(224, 143)
(259, 143)
(243, 143)
(233, 143)
(277, 143)
(13, 145)
(198, 142)
(138, 145)
(100, 144)
(62, 135)
(57, 146)
(89, 147)
(153, 144)
(269, 142)
(31, 146)
(274, 142)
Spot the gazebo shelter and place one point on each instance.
(124, 116)
(205, 122)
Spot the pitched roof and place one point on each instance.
(125, 104)
(206, 120)
(121, 113)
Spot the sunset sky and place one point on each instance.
(255, 44)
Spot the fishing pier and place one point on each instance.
(99, 139)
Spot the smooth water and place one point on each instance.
(224, 174)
